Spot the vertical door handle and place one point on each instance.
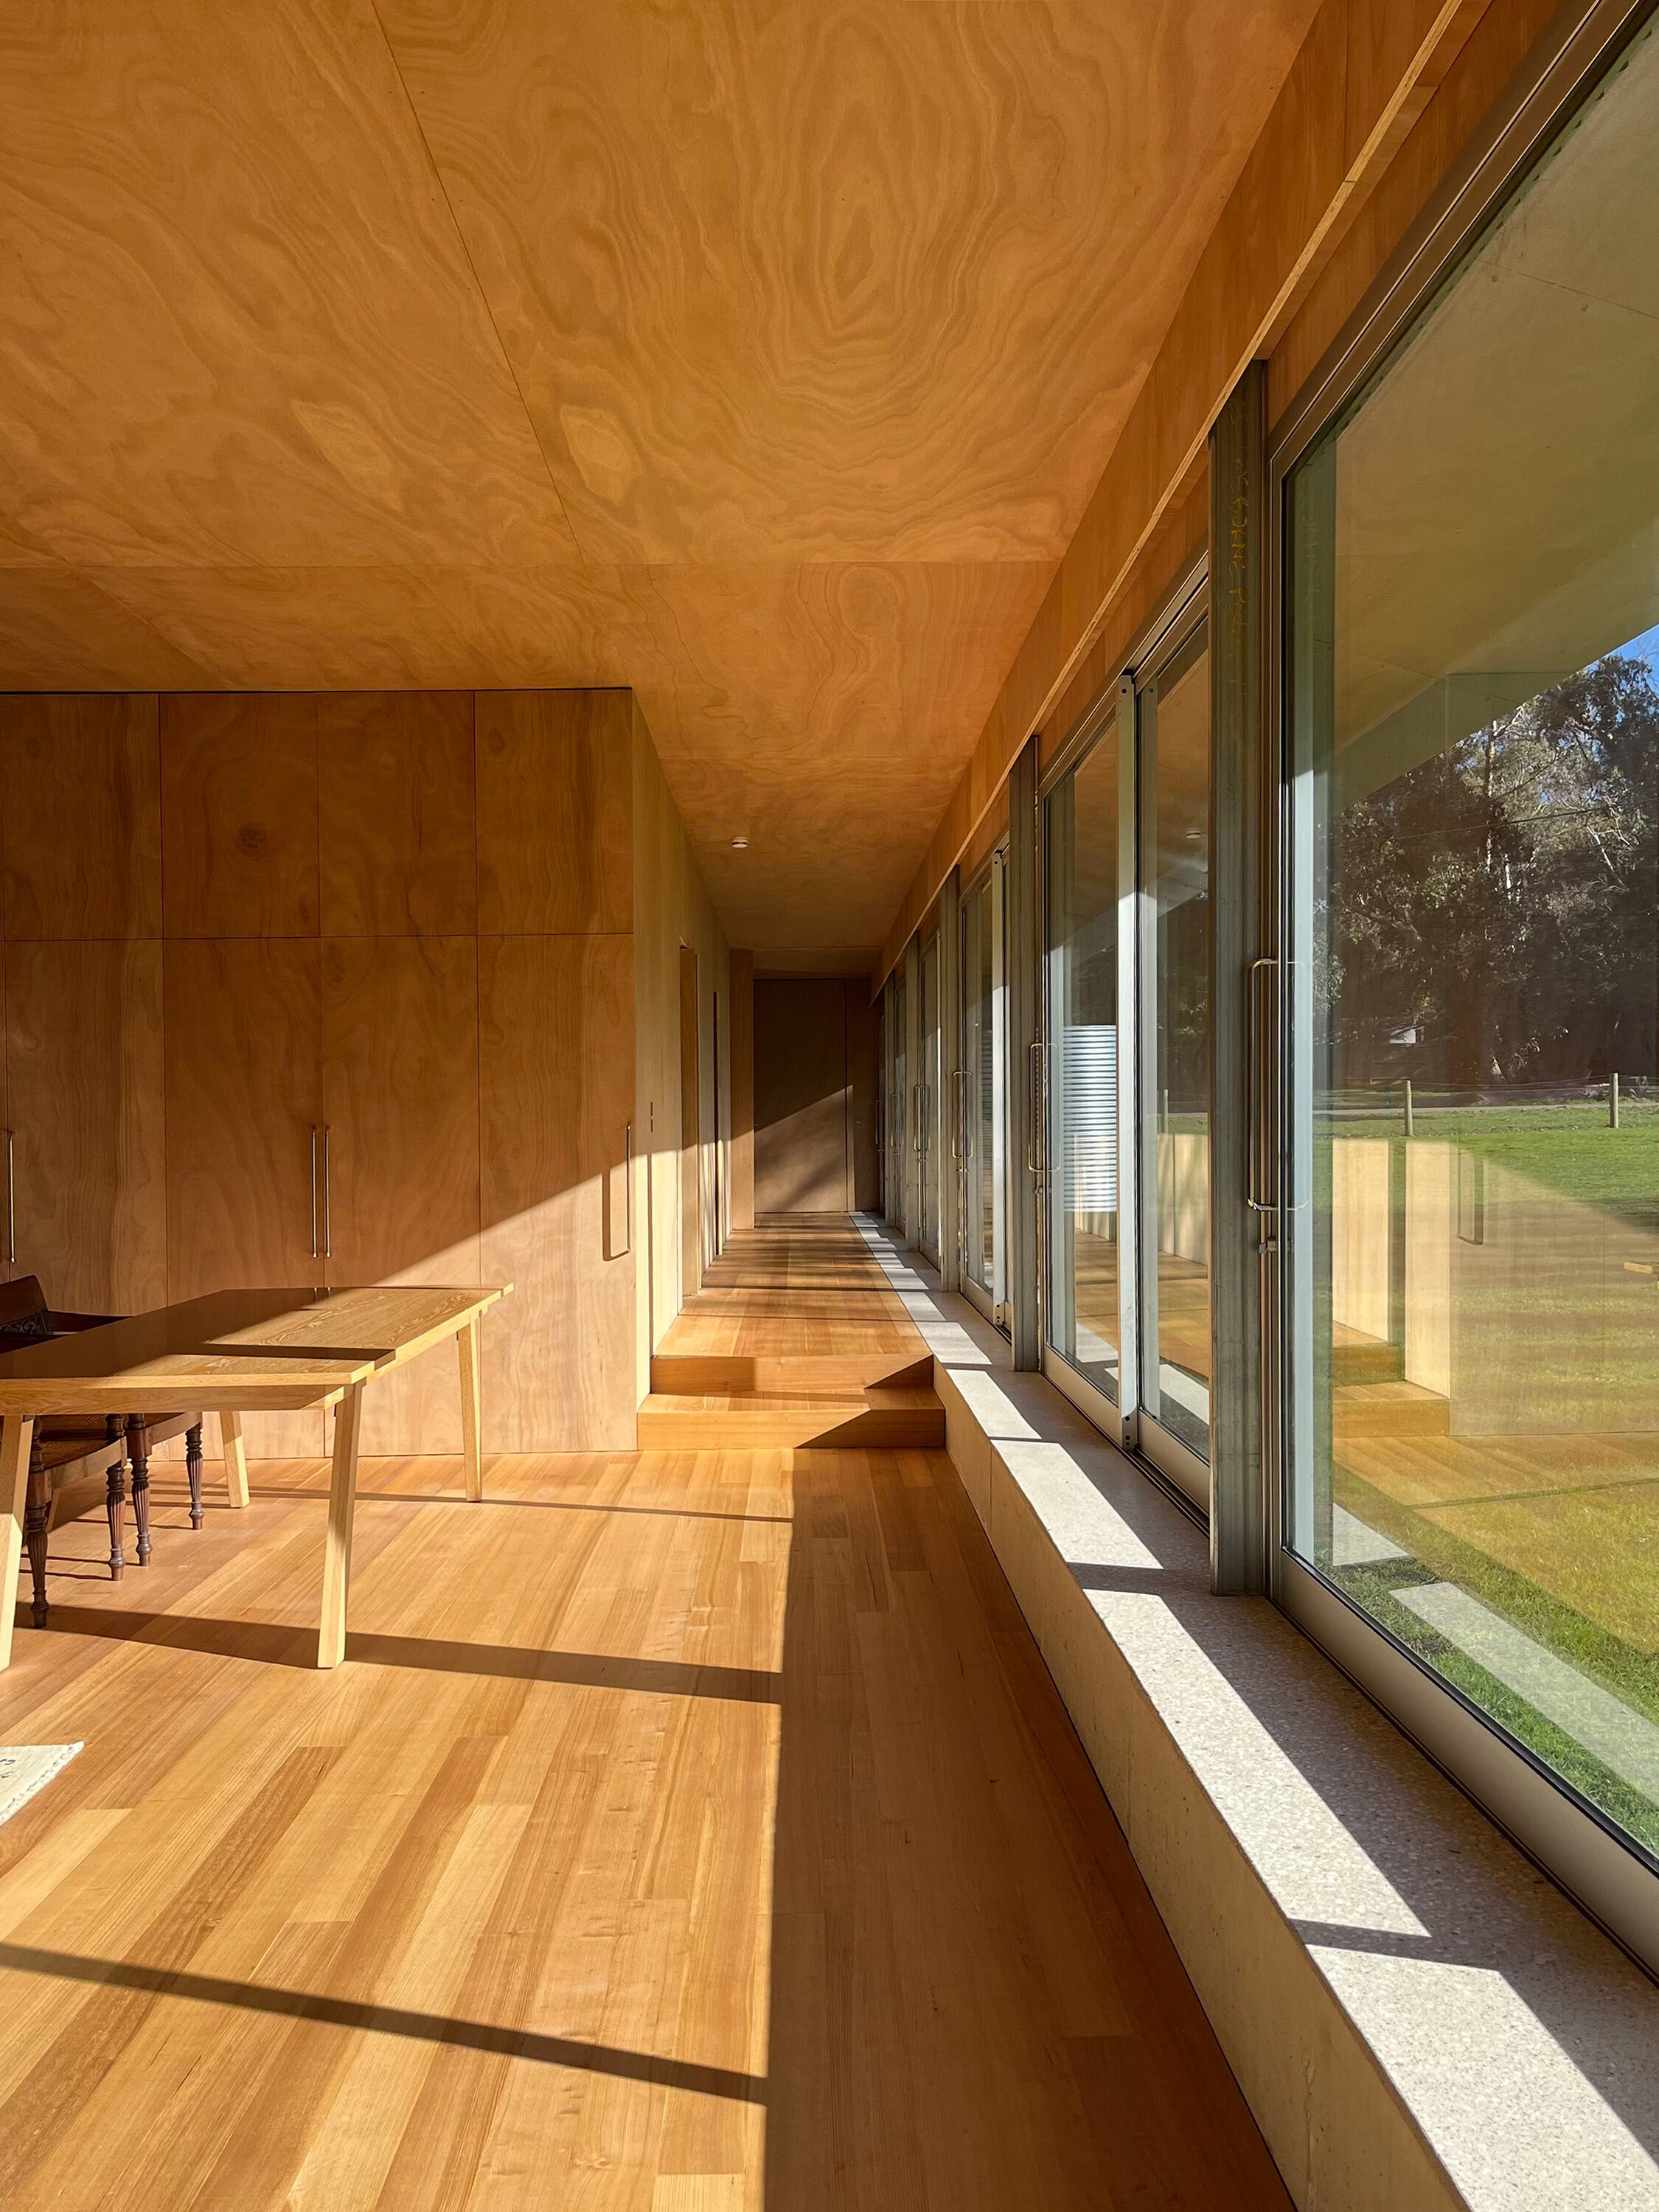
(315, 1253)
(1263, 1187)
(328, 1196)
(961, 1149)
(11, 1196)
(1036, 1139)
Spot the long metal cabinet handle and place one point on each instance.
(11, 1196)
(328, 1196)
(628, 1190)
(315, 1253)
(1263, 1189)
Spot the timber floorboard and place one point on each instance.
(692, 1832)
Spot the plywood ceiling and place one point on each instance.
(758, 354)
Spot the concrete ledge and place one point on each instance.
(1417, 2018)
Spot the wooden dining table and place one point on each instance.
(236, 1352)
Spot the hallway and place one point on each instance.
(691, 1830)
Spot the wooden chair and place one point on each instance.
(67, 1446)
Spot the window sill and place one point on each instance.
(1417, 2016)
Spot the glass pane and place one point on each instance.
(902, 1117)
(1174, 724)
(1081, 1136)
(1474, 1012)
(928, 1033)
(979, 1063)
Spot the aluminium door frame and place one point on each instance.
(989, 879)
(1561, 1833)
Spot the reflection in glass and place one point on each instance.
(1474, 876)
(1174, 767)
(977, 1134)
(929, 1037)
(1081, 1060)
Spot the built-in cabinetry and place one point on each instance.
(333, 989)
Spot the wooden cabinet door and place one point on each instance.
(555, 1067)
(556, 812)
(242, 1031)
(395, 794)
(84, 1080)
(81, 803)
(400, 1095)
(239, 813)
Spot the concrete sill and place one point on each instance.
(1417, 2018)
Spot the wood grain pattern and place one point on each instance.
(234, 275)
(80, 806)
(238, 814)
(243, 1035)
(400, 1095)
(1332, 128)
(83, 1041)
(555, 1064)
(395, 784)
(708, 1829)
(555, 772)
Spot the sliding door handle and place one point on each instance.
(961, 1149)
(1263, 1185)
(1037, 1137)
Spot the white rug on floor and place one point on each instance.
(27, 1767)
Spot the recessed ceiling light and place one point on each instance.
(740, 844)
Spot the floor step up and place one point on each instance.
(797, 1374)
(879, 1418)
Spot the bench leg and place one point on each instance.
(115, 1496)
(236, 1456)
(34, 1530)
(342, 1506)
(138, 1445)
(193, 1470)
(17, 1448)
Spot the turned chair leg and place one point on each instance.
(115, 1495)
(138, 1445)
(193, 1469)
(34, 1530)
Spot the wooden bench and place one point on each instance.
(67, 1447)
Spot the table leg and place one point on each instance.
(138, 1446)
(193, 1470)
(342, 1504)
(471, 1409)
(115, 1495)
(17, 1441)
(230, 1431)
(39, 1512)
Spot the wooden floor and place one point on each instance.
(688, 1831)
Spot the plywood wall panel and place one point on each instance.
(743, 1089)
(81, 806)
(802, 1101)
(395, 779)
(242, 1030)
(555, 779)
(556, 1094)
(238, 814)
(400, 1095)
(86, 1105)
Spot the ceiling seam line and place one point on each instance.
(472, 271)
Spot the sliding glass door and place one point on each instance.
(926, 1097)
(1083, 1280)
(1125, 1062)
(1172, 720)
(979, 1113)
(1472, 891)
